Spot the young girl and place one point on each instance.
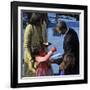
(43, 62)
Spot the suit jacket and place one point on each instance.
(71, 47)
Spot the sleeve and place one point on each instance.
(58, 61)
(27, 36)
(27, 40)
(45, 58)
(27, 43)
(68, 46)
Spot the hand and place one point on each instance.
(33, 70)
(53, 49)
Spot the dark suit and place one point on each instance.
(70, 58)
(71, 46)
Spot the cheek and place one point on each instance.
(57, 30)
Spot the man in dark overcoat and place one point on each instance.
(69, 63)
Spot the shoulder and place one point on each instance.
(72, 31)
(70, 35)
(28, 28)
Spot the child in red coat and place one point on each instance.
(43, 62)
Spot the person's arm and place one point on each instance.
(68, 43)
(57, 61)
(27, 36)
(46, 57)
(27, 40)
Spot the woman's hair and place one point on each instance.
(35, 18)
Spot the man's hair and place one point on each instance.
(62, 25)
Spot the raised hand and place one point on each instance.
(53, 49)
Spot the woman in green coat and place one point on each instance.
(32, 38)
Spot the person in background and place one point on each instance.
(69, 64)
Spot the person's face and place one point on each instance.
(58, 30)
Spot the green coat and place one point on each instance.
(32, 36)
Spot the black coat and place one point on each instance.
(71, 45)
